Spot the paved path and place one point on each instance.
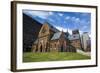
(84, 53)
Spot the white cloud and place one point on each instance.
(77, 19)
(84, 27)
(67, 17)
(73, 18)
(64, 29)
(40, 14)
(60, 14)
(89, 33)
(81, 32)
(84, 22)
(69, 30)
(79, 22)
(50, 13)
(51, 20)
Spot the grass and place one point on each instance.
(52, 56)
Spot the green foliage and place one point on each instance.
(52, 56)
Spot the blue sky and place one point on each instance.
(63, 20)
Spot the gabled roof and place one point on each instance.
(56, 35)
(67, 34)
(74, 37)
(52, 27)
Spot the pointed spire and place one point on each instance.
(62, 30)
(67, 27)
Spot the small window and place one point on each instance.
(74, 36)
(55, 45)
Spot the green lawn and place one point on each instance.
(52, 56)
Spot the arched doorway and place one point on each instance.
(41, 48)
(62, 48)
(36, 50)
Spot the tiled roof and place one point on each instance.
(56, 36)
(74, 37)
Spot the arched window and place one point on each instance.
(55, 45)
(41, 48)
